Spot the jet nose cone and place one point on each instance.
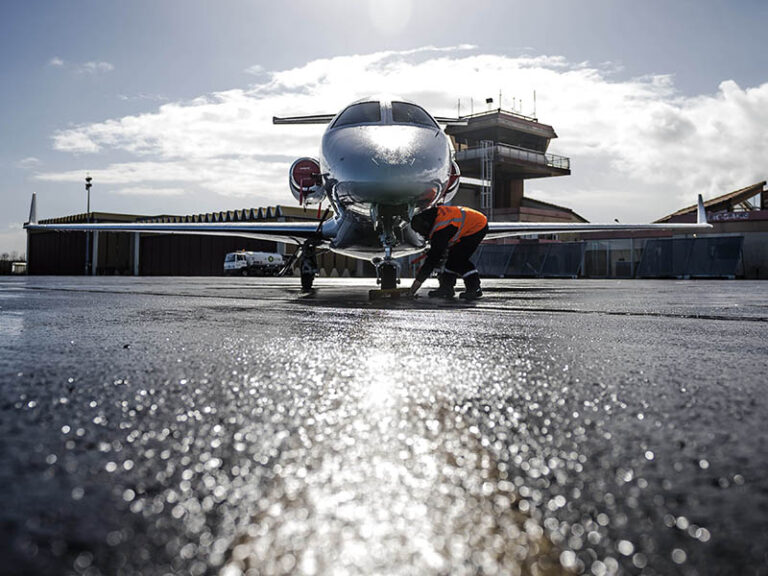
(387, 164)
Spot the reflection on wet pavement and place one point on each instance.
(387, 476)
(167, 429)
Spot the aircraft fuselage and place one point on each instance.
(383, 160)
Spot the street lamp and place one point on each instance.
(88, 189)
(88, 219)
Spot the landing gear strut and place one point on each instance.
(389, 223)
(308, 255)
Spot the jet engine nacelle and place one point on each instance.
(453, 183)
(306, 181)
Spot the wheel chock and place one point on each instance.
(391, 293)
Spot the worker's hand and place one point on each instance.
(415, 287)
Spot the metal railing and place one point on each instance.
(499, 111)
(516, 153)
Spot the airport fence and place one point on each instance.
(702, 257)
(551, 260)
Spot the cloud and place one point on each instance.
(95, 68)
(91, 68)
(139, 191)
(639, 148)
(263, 178)
(13, 238)
(141, 96)
(256, 70)
(75, 141)
(28, 163)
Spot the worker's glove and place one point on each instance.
(415, 287)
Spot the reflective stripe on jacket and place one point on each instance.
(466, 220)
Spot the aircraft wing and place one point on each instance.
(310, 119)
(326, 118)
(451, 121)
(290, 232)
(507, 229)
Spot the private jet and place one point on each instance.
(381, 161)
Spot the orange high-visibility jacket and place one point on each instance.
(466, 220)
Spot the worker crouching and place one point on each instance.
(459, 231)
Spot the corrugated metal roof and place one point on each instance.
(531, 202)
(724, 202)
(241, 215)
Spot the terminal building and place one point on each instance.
(497, 151)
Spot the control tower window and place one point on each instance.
(411, 114)
(363, 113)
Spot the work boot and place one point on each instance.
(447, 282)
(471, 287)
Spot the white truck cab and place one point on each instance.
(253, 263)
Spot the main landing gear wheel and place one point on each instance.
(308, 267)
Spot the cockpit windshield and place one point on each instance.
(405, 113)
(362, 113)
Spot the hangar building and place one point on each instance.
(72, 253)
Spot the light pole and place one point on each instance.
(88, 220)
(88, 190)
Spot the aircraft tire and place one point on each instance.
(388, 277)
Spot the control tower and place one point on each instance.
(496, 152)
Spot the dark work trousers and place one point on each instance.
(460, 253)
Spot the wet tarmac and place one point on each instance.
(238, 426)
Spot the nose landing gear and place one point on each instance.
(389, 223)
(388, 275)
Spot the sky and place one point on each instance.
(167, 104)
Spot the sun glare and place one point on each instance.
(390, 17)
